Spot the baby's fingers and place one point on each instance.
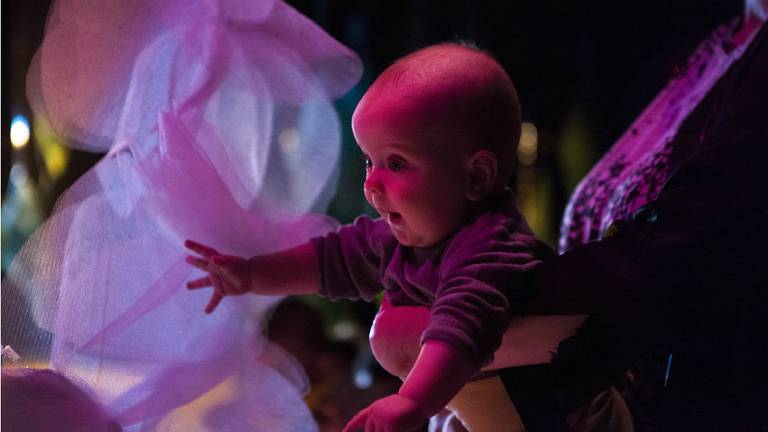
(200, 283)
(215, 300)
(200, 263)
(201, 249)
(231, 266)
(226, 261)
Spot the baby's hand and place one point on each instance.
(227, 274)
(394, 413)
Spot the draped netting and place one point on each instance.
(217, 121)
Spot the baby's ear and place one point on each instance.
(482, 171)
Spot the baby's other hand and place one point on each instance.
(394, 413)
(227, 274)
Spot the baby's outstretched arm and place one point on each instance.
(439, 373)
(293, 271)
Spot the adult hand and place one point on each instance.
(393, 413)
(227, 274)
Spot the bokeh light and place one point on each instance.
(55, 155)
(19, 131)
(527, 150)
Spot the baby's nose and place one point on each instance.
(372, 184)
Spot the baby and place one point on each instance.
(439, 130)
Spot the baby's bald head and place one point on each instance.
(456, 96)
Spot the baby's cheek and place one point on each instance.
(367, 196)
(408, 190)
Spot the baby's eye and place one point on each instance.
(395, 165)
(368, 164)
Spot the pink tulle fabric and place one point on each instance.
(217, 121)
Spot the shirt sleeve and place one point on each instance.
(481, 279)
(350, 259)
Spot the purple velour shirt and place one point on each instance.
(473, 281)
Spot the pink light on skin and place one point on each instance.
(436, 129)
(420, 192)
(415, 178)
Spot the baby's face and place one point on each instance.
(414, 178)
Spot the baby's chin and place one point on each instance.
(404, 238)
(411, 240)
(401, 238)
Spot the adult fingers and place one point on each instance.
(200, 263)
(201, 249)
(357, 422)
(215, 300)
(200, 283)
